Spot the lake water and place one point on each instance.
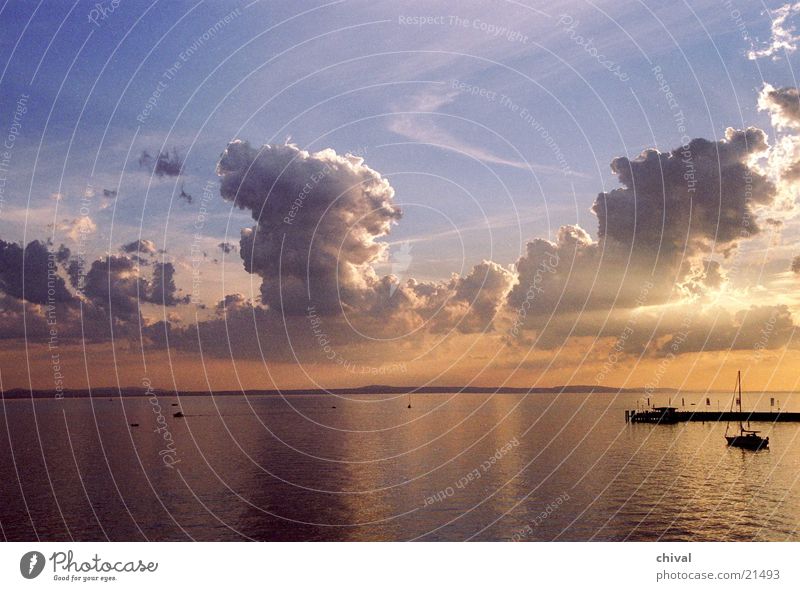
(453, 467)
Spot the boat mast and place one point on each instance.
(739, 399)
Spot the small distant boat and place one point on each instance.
(747, 438)
(179, 415)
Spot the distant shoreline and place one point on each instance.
(19, 393)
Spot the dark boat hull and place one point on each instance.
(749, 442)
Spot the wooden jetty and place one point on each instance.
(669, 415)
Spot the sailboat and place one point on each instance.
(747, 438)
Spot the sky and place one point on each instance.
(229, 195)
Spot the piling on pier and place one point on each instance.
(668, 415)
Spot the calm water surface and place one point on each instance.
(454, 467)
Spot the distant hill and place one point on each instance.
(19, 393)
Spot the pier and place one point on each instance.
(668, 415)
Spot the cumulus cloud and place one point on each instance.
(114, 285)
(318, 217)
(657, 235)
(686, 200)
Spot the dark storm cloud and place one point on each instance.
(31, 273)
